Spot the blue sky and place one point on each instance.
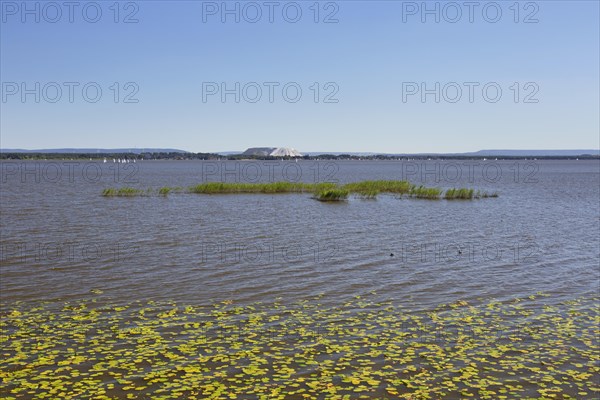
(370, 68)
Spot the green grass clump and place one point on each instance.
(460, 194)
(272, 187)
(122, 192)
(319, 187)
(381, 186)
(321, 191)
(421, 192)
(332, 195)
(283, 187)
(368, 194)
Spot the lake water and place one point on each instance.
(62, 242)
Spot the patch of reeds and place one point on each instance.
(331, 195)
(370, 194)
(467, 194)
(271, 187)
(459, 194)
(321, 191)
(122, 192)
(422, 192)
(381, 186)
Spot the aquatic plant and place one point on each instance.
(271, 187)
(486, 194)
(368, 194)
(331, 195)
(98, 349)
(468, 194)
(322, 191)
(421, 192)
(462, 194)
(383, 186)
(122, 192)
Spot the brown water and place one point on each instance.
(62, 241)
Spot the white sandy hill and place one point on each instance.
(285, 152)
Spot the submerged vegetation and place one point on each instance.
(93, 348)
(320, 191)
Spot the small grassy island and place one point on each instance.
(320, 191)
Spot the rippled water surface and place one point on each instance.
(63, 242)
(60, 239)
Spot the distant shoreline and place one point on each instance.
(22, 156)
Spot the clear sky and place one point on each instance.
(369, 74)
